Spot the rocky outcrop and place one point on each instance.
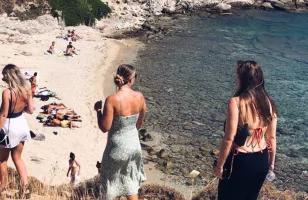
(14, 30)
(24, 9)
(131, 15)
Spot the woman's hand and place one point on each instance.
(98, 106)
(218, 172)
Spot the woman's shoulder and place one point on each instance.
(139, 94)
(234, 101)
(6, 93)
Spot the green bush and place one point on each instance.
(75, 12)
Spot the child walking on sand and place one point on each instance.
(74, 168)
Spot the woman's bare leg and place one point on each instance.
(19, 163)
(132, 197)
(4, 156)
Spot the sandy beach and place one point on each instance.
(79, 82)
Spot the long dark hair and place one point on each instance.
(252, 93)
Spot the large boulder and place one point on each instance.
(159, 6)
(240, 3)
(223, 7)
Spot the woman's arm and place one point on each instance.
(4, 110)
(142, 111)
(30, 105)
(230, 132)
(105, 120)
(271, 141)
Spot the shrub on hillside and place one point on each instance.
(75, 12)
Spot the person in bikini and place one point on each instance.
(33, 82)
(248, 148)
(53, 106)
(73, 170)
(75, 37)
(70, 50)
(16, 100)
(51, 49)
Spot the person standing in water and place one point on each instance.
(74, 169)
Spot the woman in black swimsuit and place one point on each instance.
(16, 99)
(249, 146)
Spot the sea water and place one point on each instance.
(189, 74)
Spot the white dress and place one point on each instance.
(17, 130)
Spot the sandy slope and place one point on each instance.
(79, 81)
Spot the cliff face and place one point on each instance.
(131, 14)
(25, 9)
(157, 7)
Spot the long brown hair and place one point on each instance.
(15, 80)
(252, 94)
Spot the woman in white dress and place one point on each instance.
(16, 99)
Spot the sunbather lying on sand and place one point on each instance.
(53, 106)
(67, 114)
(62, 123)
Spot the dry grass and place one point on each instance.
(268, 192)
(89, 190)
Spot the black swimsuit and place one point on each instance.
(248, 169)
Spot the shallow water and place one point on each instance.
(188, 75)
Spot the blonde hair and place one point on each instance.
(15, 80)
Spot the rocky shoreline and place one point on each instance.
(182, 152)
(137, 16)
(153, 19)
(130, 18)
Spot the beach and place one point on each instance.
(79, 82)
(186, 99)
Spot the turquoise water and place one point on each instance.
(188, 75)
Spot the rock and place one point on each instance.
(168, 165)
(198, 123)
(194, 174)
(215, 152)
(185, 171)
(240, 3)
(142, 132)
(151, 151)
(162, 154)
(223, 7)
(147, 137)
(267, 5)
(279, 5)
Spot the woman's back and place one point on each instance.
(127, 102)
(122, 167)
(19, 100)
(257, 129)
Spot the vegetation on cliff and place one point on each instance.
(76, 12)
